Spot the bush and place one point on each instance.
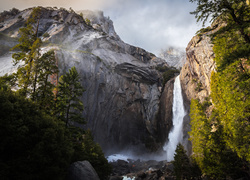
(88, 22)
(46, 35)
(92, 152)
(162, 68)
(169, 74)
(203, 30)
(198, 87)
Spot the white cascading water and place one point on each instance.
(176, 134)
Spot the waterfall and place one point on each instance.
(176, 134)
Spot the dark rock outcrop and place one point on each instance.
(82, 170)
(164, 116)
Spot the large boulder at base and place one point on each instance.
(82, 170)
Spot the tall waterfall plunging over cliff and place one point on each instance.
(176, 133)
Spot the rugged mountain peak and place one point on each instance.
(100, 22)
(175, 57)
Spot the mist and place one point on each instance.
(150, 24)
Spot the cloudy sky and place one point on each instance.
(150, 24)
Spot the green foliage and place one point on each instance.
(45, 74)
(168, 72)
(194, 80)
(200, 129)
(203, 30)
(93, 153)
(46, 35)
(181, 163)
(33, 77)
(221, 141)
(33, 145)
(198, 87)
(162, 68)
(230, 47)
(70, 90)
(35, 142)
(29, 51)
(88, 22)
(210, 150)
(230, 94)
(235, 13)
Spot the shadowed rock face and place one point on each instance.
(123, 89)
(164, 117)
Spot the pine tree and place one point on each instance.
(235, 13)
(200, 129)
(29, 46)
(181, 163)
(69, 105)
(46, 69)
(93, 153)
(34, 75)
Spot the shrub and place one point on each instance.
(198, 87)
(46, 35)
(88, 22)
(171, 73)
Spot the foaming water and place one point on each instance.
(176, 134)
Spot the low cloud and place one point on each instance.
(155, 25)
(150, 24)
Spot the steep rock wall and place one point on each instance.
(164, 117)
(123, 88)
(196, 72)
(195, 76)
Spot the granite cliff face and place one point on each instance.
(196, 72)
(123, 88)
(195, 75)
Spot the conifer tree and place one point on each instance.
(69, 105)
(34, 74)
(46, 69)
(234, 12)
(29, 47)
(181, 163)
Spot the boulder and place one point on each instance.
(82, 170)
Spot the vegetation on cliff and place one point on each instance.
(38, 138)
(221, 139)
